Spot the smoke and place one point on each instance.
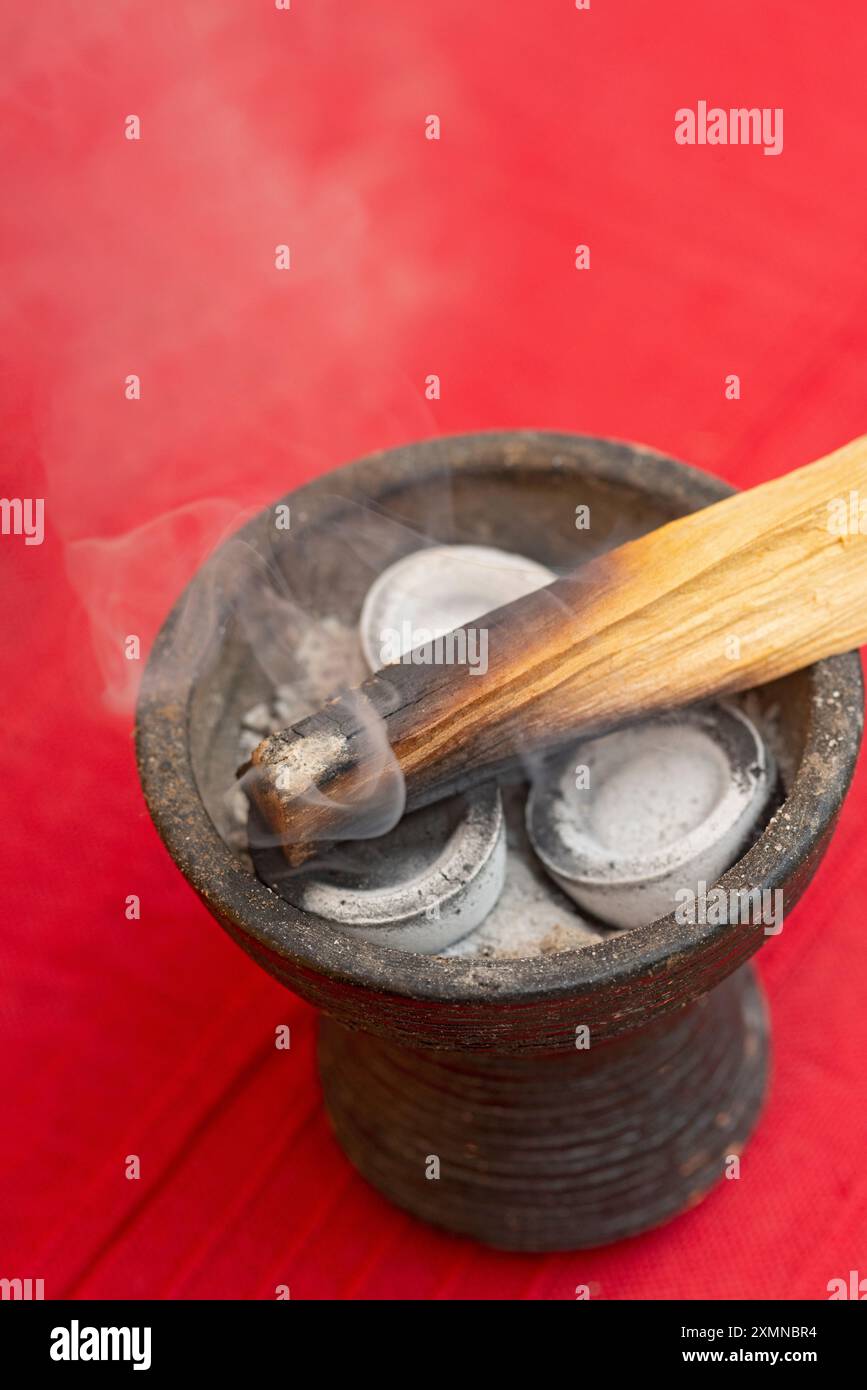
(176, 379)
(154, 259)
(128, 583)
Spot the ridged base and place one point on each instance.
(560, 1152)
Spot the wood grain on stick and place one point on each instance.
(739, 593)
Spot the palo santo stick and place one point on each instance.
(742, 592)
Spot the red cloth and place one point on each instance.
(156, 257)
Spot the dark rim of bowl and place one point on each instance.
(252, 911)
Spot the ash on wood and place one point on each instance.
(743, 592)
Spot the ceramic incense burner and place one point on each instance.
(541, 1144)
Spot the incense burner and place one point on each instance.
(571, 1098)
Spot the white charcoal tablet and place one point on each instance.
(435, 590)
(626, 822)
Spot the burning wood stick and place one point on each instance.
(742, 592)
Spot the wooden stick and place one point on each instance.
(742, 592)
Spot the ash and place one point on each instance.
(326, 656)
(532, 917)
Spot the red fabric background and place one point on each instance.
(408, 257)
